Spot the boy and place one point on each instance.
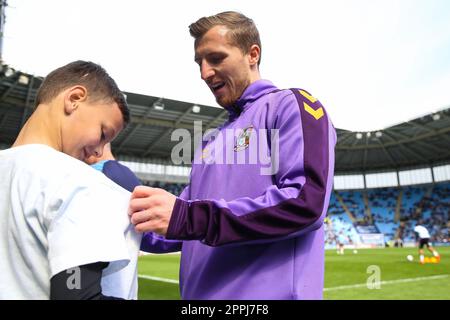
(54, 241)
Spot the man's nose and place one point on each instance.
(206, 71)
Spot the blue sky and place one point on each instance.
(371, 63)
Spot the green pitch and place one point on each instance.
(346, 277)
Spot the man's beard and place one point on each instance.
(230, 100)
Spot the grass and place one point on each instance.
(351, 269)
(340, 270)
(161, 265)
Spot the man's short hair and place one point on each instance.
(97, 81)
(242, 30)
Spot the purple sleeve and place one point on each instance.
(185, 194)
(297, 201)
(154, 243)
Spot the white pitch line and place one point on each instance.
(360, 285)
(158, 279)
(364, 285)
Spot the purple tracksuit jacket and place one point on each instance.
(250, 235)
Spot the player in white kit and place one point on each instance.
(423, 238)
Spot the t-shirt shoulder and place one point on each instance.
(52, 167)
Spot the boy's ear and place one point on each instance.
(73, 97)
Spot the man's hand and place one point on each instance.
(151, 209)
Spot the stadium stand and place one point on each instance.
(428, 203)
(354, 202)
(174, 188)
(383, 203)
(146, 147)
(339, 223)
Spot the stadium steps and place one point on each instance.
(344, 206)
(429, 191)
(427, 194)
(399, 206)
(367, 210)
(397, 232)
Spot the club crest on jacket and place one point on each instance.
(243, 140)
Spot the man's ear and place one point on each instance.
(254, 54)
(73, 97)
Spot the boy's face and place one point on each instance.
(87, 129)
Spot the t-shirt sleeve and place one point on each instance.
(88, 224)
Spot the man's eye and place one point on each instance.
(103, 136)
(215, 60)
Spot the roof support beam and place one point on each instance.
(424, 145)
(3, 120)
(27, 102)
(397, 143)
(219, 117)
(159, 123)
(133, 131)
(346, 136)
(405, 148)
(8, 91)
(365, 153)
(209, 125)
(165, 133)
(389, 156)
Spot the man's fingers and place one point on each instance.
(141, 216)
(149, 226)
(144, 191)
(140, 204)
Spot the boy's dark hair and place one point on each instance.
(97, 81)
(242, 30)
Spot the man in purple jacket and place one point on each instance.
(253, 229)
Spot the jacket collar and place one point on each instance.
(252, 93)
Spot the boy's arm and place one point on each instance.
(79, 283)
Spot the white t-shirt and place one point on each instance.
(422, 231)
(57, 213)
